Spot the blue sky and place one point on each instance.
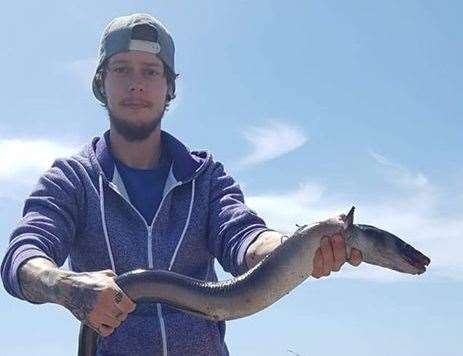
(313, 108)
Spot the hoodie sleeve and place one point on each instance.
(47, 227)
(233, 226)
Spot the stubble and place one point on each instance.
(134, 131)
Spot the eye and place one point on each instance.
(121, 69)
(152, 72)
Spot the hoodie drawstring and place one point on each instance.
(103, 221)
(159, 307)
(108, 245)
(174, 256)
(105, 229)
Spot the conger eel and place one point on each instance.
(274, 276)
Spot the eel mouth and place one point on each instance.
(415, 258)
(389, 251)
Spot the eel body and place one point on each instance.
(273, 277)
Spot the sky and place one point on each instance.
(312, 106)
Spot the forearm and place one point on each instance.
(265, 244)
(89, 296)
(41, 281)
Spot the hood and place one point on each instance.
(186, 164)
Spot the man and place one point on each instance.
(138, 198)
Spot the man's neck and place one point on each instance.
(137, 154)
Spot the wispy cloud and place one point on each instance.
(401, 175)
(271, 141)
(284, 210)
(23, 160)
(413, 214)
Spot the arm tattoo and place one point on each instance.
(80, 302)
(38, 281)
(42, 281)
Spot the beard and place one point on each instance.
(134, 131)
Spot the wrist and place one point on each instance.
(262, 246)
(57, 283)
(39, 280)
(62, 285)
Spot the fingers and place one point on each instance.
(317, 271)
(339, 252)
(114, 309)
(328, 256)
(105, 324)
(101, 329)
(105, 330)
(118, 314)
(332, 255)
(355, 257)
(118, 306)
(123, 302)
(109, 320)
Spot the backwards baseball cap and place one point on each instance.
(136, 32)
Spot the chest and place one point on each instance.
(176, 239)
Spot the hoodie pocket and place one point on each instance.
(138, 335)
(191, 335)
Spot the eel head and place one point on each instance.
(381, 248)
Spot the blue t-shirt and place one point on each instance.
(145, 186)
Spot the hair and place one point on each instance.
(168, 74)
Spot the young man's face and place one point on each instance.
(136, 88)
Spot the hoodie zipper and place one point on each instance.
(150, 245)
(149, 228)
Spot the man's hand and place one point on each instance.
(331, 255)
(95, 299)
(92, 297)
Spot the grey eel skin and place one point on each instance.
(273, 277)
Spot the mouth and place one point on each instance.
(411, 260)
(135, 104)
(393, 253)
(416, 260)
(135, 107)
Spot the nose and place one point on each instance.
(135, 83)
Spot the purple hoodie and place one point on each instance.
(80, 208)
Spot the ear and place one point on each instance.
(100, 84)
(101, 87)
(103, 92)
(169, 92)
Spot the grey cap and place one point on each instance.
(141, 32)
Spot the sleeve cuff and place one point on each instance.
(248, 240)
